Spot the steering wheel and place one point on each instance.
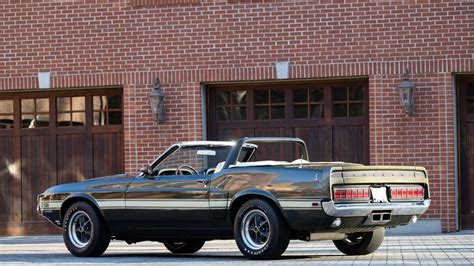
(185, 166)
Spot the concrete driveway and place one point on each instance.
(418, 249)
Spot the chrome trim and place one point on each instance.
(48, 205)
(297, 204)
(212, 143)
(38, 200)
(206, 143)
(359, 210)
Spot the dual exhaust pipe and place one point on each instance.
(377, 218)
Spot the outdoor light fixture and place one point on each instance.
(157, 102)
(407, 93)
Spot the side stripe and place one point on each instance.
(294, 204)
(301, 204)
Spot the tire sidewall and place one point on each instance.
(370, 243)
(274, 228)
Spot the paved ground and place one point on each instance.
(423, 249)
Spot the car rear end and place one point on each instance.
(366, 197)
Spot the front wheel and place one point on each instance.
(85, 233)
(260, 230)
(361, 243)
(191, 246)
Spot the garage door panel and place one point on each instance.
(107, 150)
(6, 179)
(348, 143)
(73, 153)
(466, 142)
(270, 132)
(38, 172)
(231, 133)
(315, 140)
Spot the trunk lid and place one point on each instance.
(358, 174)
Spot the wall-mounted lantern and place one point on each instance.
(157, 102)
(407, 93)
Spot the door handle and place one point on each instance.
(203, 181)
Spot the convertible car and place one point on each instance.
(204, 190)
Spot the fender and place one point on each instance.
(257, 192)
(75, 196)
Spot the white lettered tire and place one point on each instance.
(260, 230)
(84, 231)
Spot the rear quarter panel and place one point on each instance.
(297, 191)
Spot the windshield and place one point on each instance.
(203, 159)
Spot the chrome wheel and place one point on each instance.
(80, 229)
(255, 229)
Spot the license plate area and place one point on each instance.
(379, 194)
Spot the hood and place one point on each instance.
(105, 182)
(116, 177)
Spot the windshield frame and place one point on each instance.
(208, 144)
(234, 154)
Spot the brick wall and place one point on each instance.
(426, 139)
(130, 43)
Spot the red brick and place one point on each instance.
(186, 42)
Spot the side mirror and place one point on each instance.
(147, 170)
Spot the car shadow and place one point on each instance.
(213, 255)
(127, 258)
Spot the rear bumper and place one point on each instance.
(364, 209)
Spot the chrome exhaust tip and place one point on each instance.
(336, 223)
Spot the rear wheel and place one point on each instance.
(260, 230)
(85, 234)
(190, 246)
(361, 243)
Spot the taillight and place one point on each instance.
(407, 193)
(351, 193)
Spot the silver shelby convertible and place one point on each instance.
(200, 191)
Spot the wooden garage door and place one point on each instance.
(331, 117)
(54, 137)
(466, 145)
